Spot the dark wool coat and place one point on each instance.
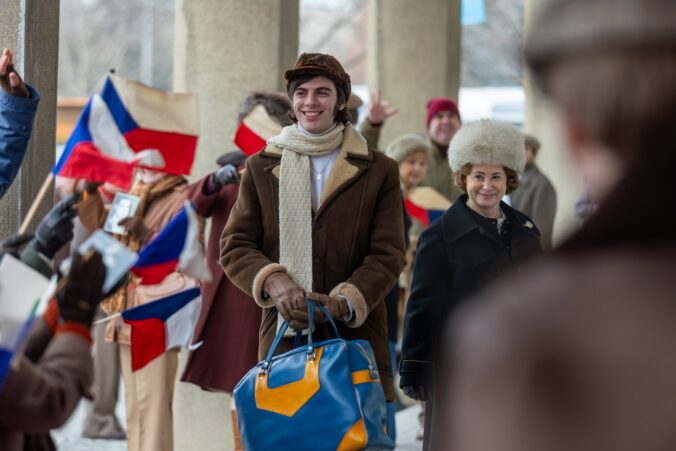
(229, 320)
(454, 257)
(357, 240)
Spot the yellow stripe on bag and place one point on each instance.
(355, 438)
(363, 376)
(288, 399)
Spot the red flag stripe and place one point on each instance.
(248, 141)
(417, 212)
(148, 341)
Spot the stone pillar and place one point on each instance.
(543, 121)
(413, 55)
(223, 50)
(30, 28)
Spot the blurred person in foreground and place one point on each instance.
(18, 105)
(577, 352)
(54, 370)
(229, 319)
(536, 196)
(478, 237)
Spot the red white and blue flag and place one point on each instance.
(161, 325)
(425, 204)
(255, 130)
(175, 248)
(129, 125)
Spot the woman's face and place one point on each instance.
(150, 177)
(413, 168)
(486, 185)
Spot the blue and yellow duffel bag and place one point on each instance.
(320, 396)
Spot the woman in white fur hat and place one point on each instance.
(478, 237)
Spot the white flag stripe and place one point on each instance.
(191, 262)
(109, 140)
(153, 109)
(181, 325)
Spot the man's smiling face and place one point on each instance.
(315, 103)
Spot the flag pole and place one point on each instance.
(107, 318)
(36, 203)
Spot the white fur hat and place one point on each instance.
(405, 145)
(487, 141)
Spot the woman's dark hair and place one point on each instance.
(460, 178)
(342, 115)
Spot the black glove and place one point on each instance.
(56, 228)
(13, 244)
(79, 299)
(227, 174)
(416, 392)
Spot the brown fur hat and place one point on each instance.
(320, 64)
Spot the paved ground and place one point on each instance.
(68, 438)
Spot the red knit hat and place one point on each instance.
(440, 104)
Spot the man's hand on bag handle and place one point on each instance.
(287, 295)
(337, 307)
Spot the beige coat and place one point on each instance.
(157, 214)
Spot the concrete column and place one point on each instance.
(544, 121)
(225, 49)
(31, 29)
(413, 55)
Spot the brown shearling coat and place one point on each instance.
(357, 240)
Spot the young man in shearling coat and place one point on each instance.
(318, 216)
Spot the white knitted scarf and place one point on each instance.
(295, 197)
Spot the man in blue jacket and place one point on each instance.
(18, 104)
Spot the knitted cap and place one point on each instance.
(440, 104)
(487, 142)
(571, 27)
(405, 145)
(320, 64)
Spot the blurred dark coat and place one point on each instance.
(229, 320)
(455, 256)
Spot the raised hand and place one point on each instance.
(9, 79)
(379, 110)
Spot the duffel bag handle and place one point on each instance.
(310, 344)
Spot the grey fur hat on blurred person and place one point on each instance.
(405, 145)
(235, 157)
(573, 27)
(487, 141)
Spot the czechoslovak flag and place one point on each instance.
(425, 204)
(255, 129)
(129, 125)
(175, 248)
(161, 325)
